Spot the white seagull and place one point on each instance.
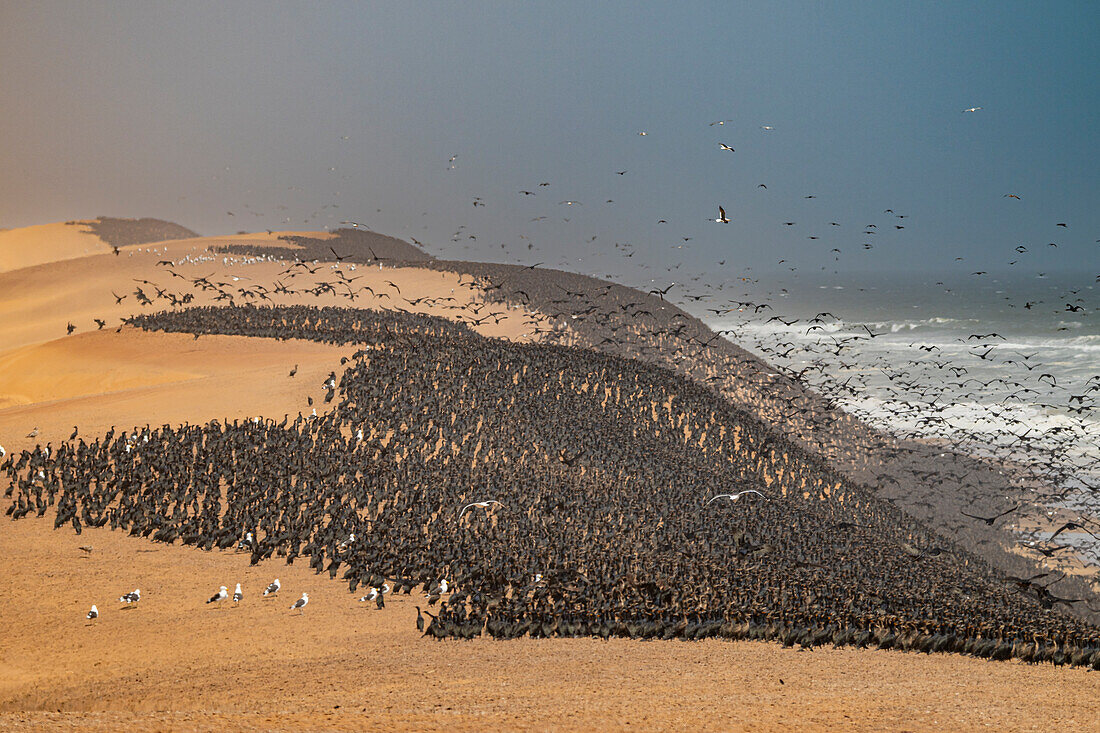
(482, 504)
(132, 597)
(273, 588)
(735, 497)
(301, 603)
(221, 595)
(94, 613)
(722, 218)
(971, 109)
(723, 146)
(375, 592)
(237, 594)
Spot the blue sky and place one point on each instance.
(187, 111)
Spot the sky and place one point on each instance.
(302, 115)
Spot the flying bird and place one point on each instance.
(722, 218)
(735, 497)
(990, 520)
(971, 109)
(1071, 525)
(482, 504)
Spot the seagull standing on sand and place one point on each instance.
(272, 589)
(735, 497)
(375, 593)
(301, 603)
(94, 613)
(132, 597)
(221, 595)
(238, 596)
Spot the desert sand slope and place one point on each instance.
(131, 378)
(176, 663)
(37, 303)
(96, 378)
(100, 376)
(35, 245)
(29, 246)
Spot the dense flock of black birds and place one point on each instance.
(939, 482)
(603, 468)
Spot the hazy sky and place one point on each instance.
(187, 111)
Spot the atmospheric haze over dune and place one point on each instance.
(567, 366)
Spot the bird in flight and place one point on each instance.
(971, 109)
(723, 146)
(1011, 196)
(719, 122)
(990, 520)
(722, 218)
(482, 504)
(735, 497)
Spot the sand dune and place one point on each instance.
(136, 378)
(97, 378)
(38, 302)
(35, 245)
(176, 663)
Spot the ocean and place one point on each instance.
(1007, 366)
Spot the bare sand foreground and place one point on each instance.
(176, 663)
